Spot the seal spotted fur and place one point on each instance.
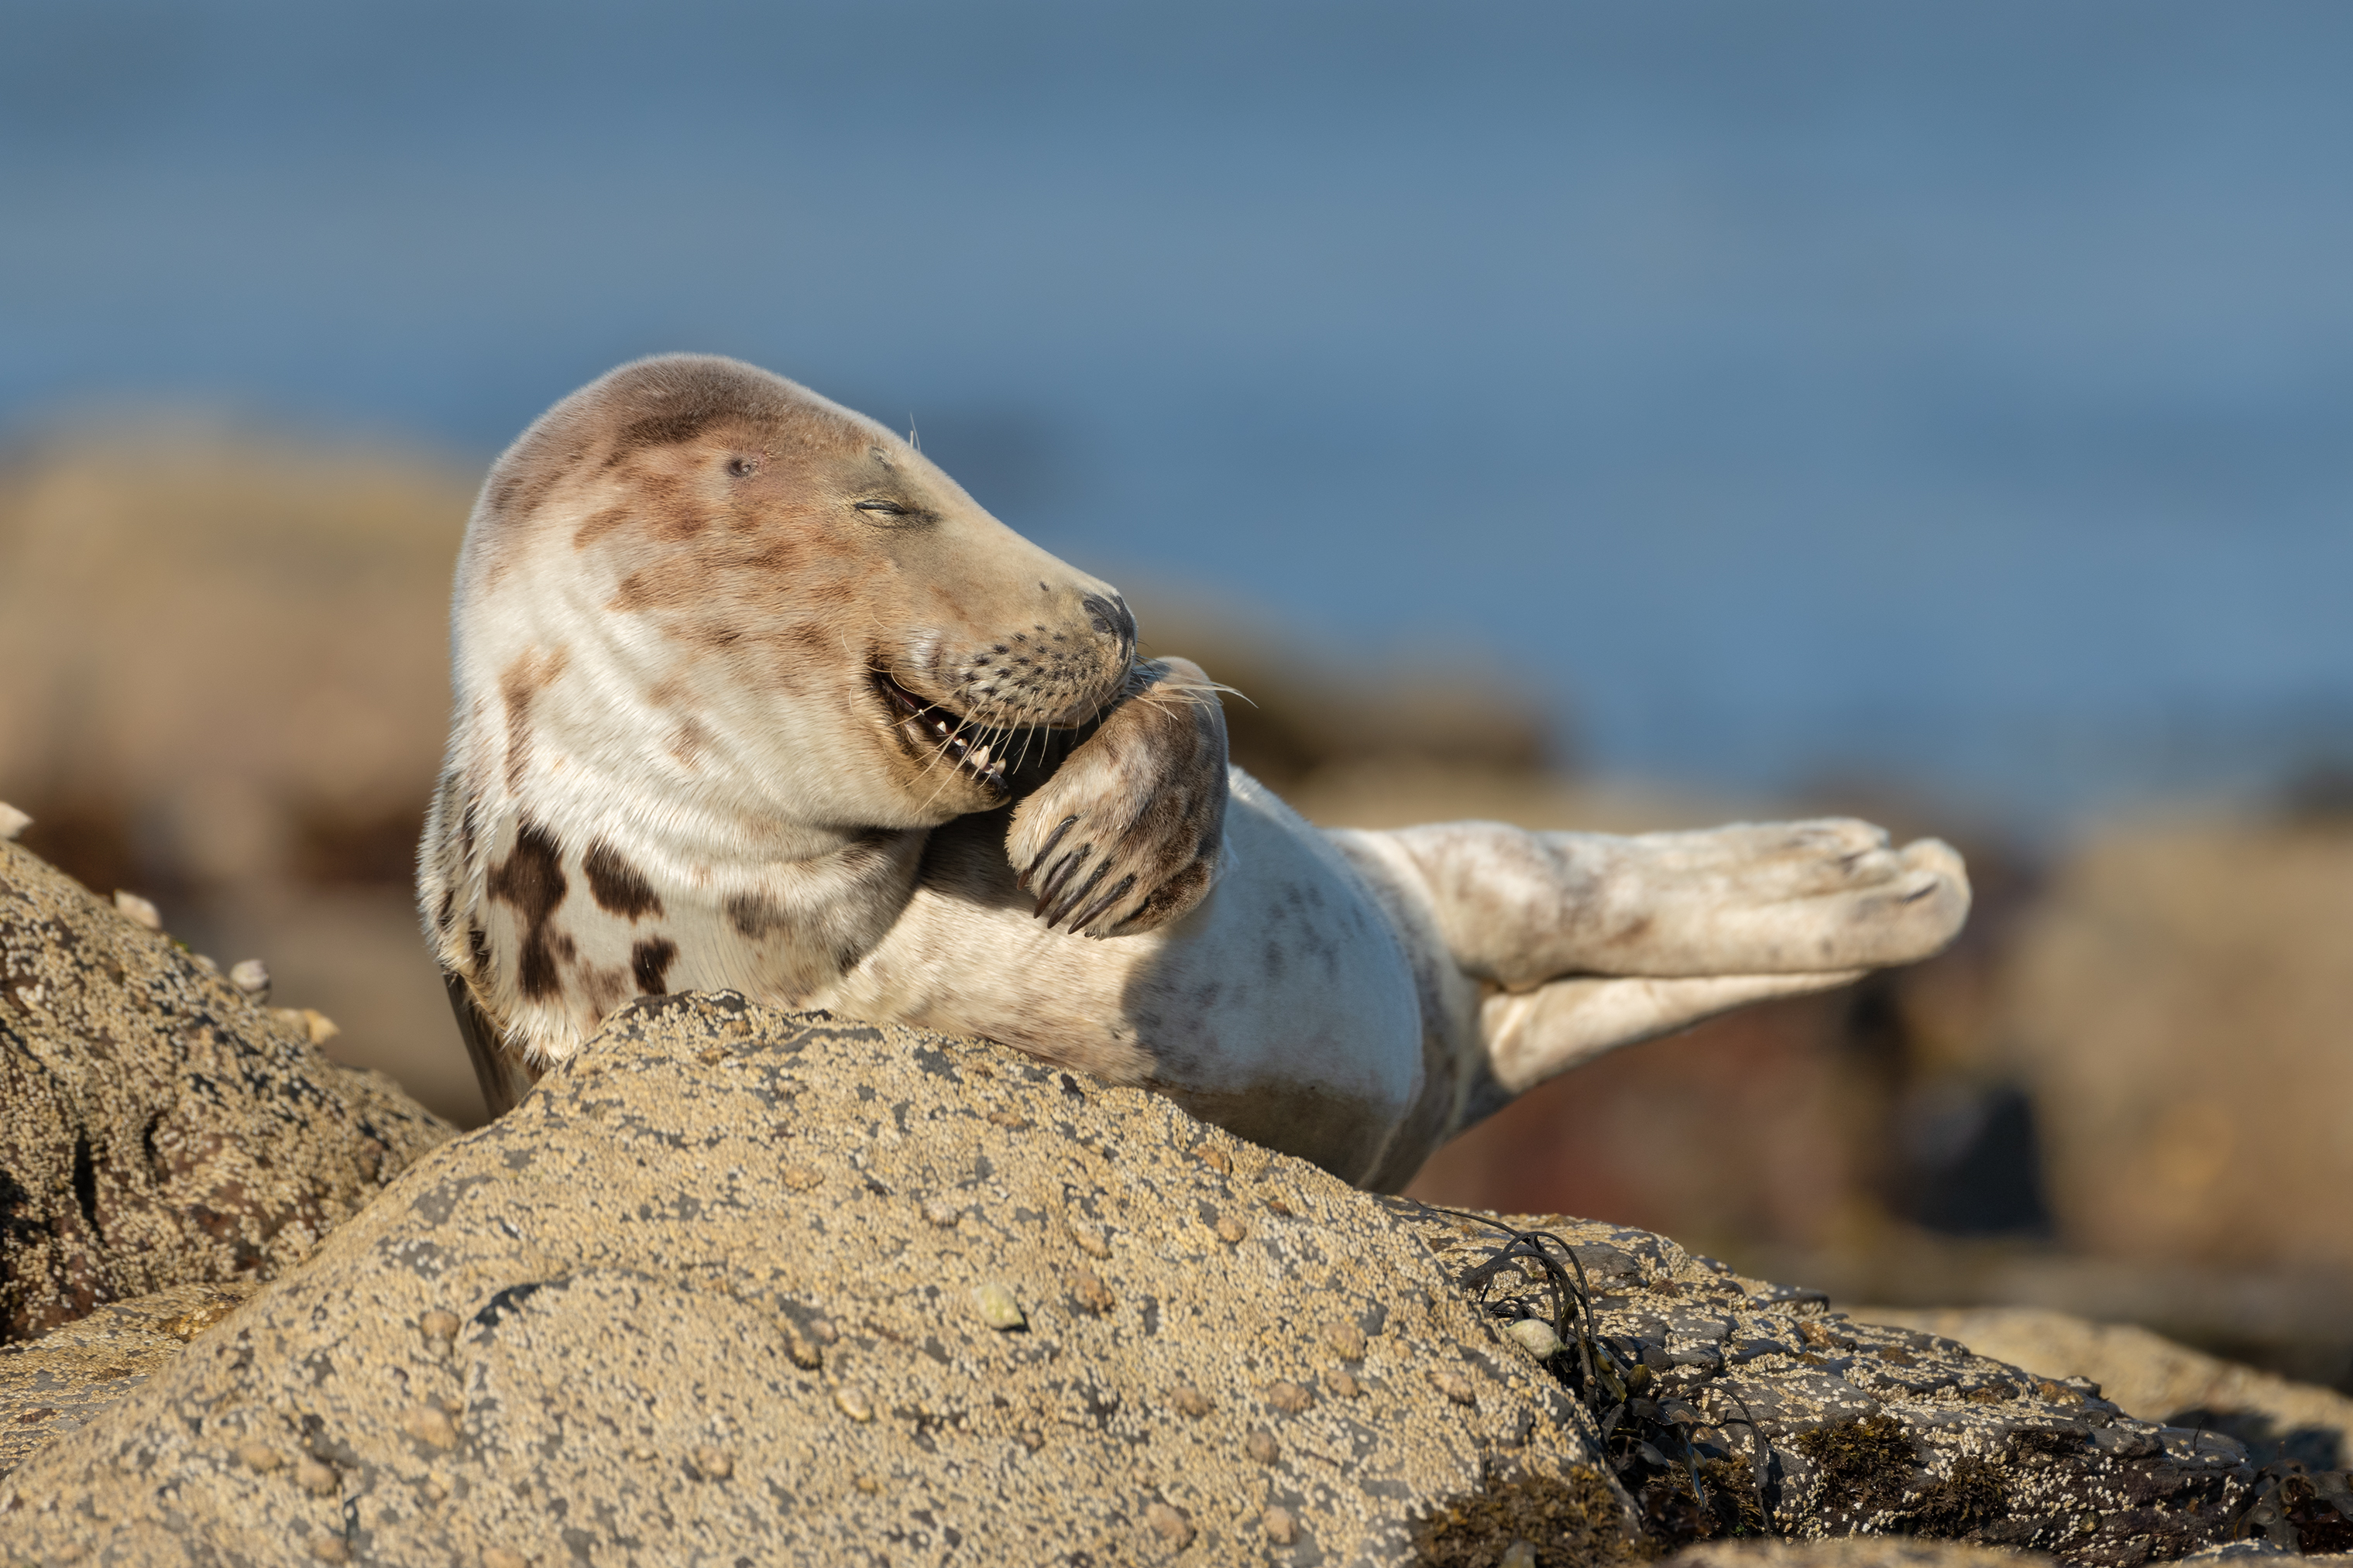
(746, 687)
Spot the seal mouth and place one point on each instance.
(933, 732)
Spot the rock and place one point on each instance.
(1853, 1552)
(2177, 1005)
(694, 1299)
(63, 1380)
(1866, 1429)
(2155, 1379)
(162, 1129)
(700, 1310)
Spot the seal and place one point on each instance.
(750, 695)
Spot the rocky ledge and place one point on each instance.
(744, 1285)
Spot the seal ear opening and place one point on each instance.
(504, 1080)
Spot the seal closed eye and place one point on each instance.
(763, 674)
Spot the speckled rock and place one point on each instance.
(2152, 1377)
(162, 1128)
(735, 1285)
(1853, 1551)
(65, 1379)
(1871, 1429)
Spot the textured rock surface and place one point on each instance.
(1853, 1551)
(64, 1379)
(2154, 1378)
(739, 1285)
(1871, 1430)
(160, 1127)
(727, 1286)
(2177, 1006)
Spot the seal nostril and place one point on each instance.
(1109, 618)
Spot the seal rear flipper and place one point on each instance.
(504, 1079)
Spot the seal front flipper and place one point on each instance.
(1125, 836)
(504, 1077)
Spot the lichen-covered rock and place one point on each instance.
(68, 1376)
(737, 1284)
(1868, 1429)
(162, 1128)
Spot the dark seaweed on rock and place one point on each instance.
(1574, 1522)
(1688, 1487)
(2299, 1509)
(1727, 1406)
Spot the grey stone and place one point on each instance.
(2155, 1379)
(163, 1128)
(695, 1301)
(685, 1304)
(1853, 1552)
(63, 1380)
(1881, 1430)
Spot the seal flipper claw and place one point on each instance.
(1077, 894)
(1087, 916)
(1043, 850)
(1141, 796)
(1051, 887)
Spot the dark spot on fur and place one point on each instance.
(649, 962)
(606, 988)
(619, 887)
(519, 683)
(688, 744)
(478, 950)
(538, 464)
(449, 909)
(667, 428)
(753, 916)
(531, 879)
(599, 524)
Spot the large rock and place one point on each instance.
(163, 1128)
(742, 1284)
(738, 1285)
(2178, 1007)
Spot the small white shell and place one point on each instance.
(138, 911)
(12, 821)
(1536, 1337)
(997, 1308)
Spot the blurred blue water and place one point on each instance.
(1957, 395)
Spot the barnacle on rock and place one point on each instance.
(1572, 1521)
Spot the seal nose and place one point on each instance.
(1112, 618)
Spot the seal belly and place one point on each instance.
(1282, 1008)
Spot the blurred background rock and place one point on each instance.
(1583, 415)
